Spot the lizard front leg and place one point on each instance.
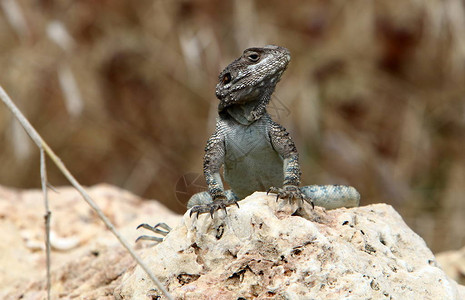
(220, 198)
(283, 144)
(290, 189)
(327, 196)
(213, 160)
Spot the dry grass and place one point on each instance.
(374, 94)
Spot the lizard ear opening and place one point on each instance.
(226, 78)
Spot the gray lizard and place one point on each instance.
(256, 153)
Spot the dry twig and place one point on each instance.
(47, 216)
(43, 146)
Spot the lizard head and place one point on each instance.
(252, 77)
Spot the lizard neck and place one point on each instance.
(249, 112)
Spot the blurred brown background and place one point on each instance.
(123, 91)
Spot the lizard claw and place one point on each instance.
(212, 211)
(289, 192)
(192, 212)
(274, 190)
(165, 229)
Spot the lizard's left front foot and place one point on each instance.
(289, 192)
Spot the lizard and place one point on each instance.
(256, 153)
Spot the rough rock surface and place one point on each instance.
(265, 249)
(269, 249)
(87, 261)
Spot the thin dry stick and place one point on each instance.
(42, 144)
(47, 216)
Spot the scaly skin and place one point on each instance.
(257, 154)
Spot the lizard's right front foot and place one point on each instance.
(219, 203)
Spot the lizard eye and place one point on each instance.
(226, 78)
(253, 57)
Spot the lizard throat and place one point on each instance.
(242, 112)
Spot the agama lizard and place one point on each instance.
(257, 154)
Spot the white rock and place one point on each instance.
(269, 249)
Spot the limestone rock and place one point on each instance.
(265, 249)
(270, 249)
(87, 261)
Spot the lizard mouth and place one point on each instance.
(248, 93)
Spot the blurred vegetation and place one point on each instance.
(123, 91)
